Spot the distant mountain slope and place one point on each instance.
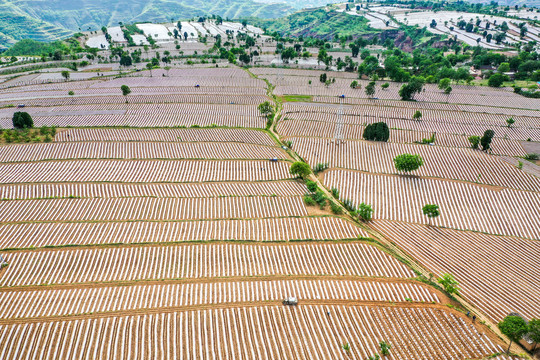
(54, 19)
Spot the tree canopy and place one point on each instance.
(377, 132)
(514, 327)
(22, 120)
(449, 284)
(408, 162)
(300, 169)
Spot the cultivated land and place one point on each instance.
(169, 226)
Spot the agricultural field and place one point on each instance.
(167, 223)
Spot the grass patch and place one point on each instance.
(296, 98)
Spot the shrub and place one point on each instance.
(320, 198)
(364, 212)
(408, 162)
(308, 200)
(377, 132)
(385, 85)
(335, 192)
(312, 186)
(320, 167)
(22, 120)
(475, 141)
(336, 209)
(532, 156)
(449, 284)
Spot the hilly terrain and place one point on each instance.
(56, 19)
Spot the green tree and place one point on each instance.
(417, 115)
(431, 211)
(364, 212)
(300, 169)
(504, 67)
(323, 77)
(126, 61)
(22, 120)
(408, 162)
(496, 80)
(385, 348)
(377, 132)
(475, 141)
(312, 186)
(444, 83)
(448, 90)
(125, 91)
(354, 84)
(449, 284)
(534, 332)
(414, 86)
(65, 75)
(370, 89)
(514, 327)
(510, 122)
(266, 108)
(485, 141)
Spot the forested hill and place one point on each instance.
(55, 19)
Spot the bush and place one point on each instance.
(312, 186)
(475, 141)
(320, 198)
(377, 132)
(320, 167)
(308, 200)
(532, 156)
(22, 120)
(336, 209)
(335, 192)
(364, 212)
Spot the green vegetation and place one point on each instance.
(449, 284)
(22, 120)
(377, 132)
(408, 162)
(514, 327)
(431, 211)
(364, 212)
(300, 169)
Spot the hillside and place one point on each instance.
(55, 19)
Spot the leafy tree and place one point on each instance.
(444, 83)
(417, 115)
(385, 85)
(514, 327)
(504, 67)
(510, 121)
(312, 186)
(449, 284)
(65, 75)
(126, 60)
(534, 332)
(485, 141)
(125, 91)
(431, 211)
(370, 89)
(300, 169)
(354, 84)
(496, 80)
(288, 54)
(22, 120)
(448, 90)
(377, 132)
(385, 348)
(414, 86)
(408, 162)
(323, 77)
(475, 141)
(266, 108)
(364, 212)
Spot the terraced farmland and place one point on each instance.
(266, 332)
(472, 256)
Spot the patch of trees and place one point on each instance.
(377, 132)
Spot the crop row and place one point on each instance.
(448, 163)
(166, 82)
(290, 128)
(462, 205)
(197, 261)
(138, 150)
(183, 95)
(117, 209)
(326, 111)
(507, 266)
(268, 332)
(281, 229)
(167, 135)
(416, 105)
(46, 303)
(143, 171)
(157, 120)
(189, 190)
